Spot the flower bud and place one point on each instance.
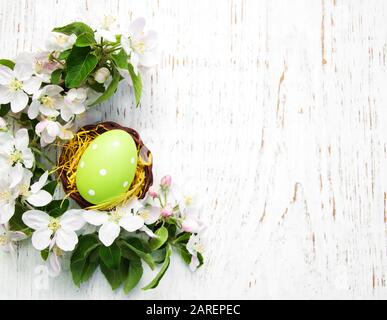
(167, 211)
(166, 181)
(152, 192)
(101, 75)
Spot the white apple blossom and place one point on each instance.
(48, 130)
(9, 237)
(14, 149)
(140, 45)
(124, 216)
(51, 231)
(16, 84)
(60, 42)
(42, 65)
(195, 246)
(101, 75)
(107, 29)
(48, 101)
(33, 194)
(10, 177)
(74, 103)
(53, 262)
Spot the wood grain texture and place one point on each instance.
(276, 112)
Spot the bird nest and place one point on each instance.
(72, 151)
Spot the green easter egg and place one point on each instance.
(107, 167)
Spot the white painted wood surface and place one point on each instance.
(278, 111)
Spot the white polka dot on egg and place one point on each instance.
(116, 143)
(103, 172)
(91, 192)
(82, 164)
(132, 160)
(94, 146)
(125, 184)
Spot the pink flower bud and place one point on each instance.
(191, 225)
(152, 192)
(166, 181)
(167, 211)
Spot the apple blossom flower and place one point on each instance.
(46, 101)
(152, 192)
(53, 262)
(48, 130)
(107, 29)
(74, 103)
(140, 45)
(60, 42)
(51, 231)
(14, 149)
(111, 222)
(102, 75)
(10, 177)
(166, 181)
(42, 65)
(16, 84)
(167, 211)
(195, 246)
(9, 237)
(34, 194)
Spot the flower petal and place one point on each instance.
(7, 211)
(96, 218)
(5, 95)
(32, 85)
(6, 75)
(19, 101)
(33, 109)
(21, 139)
(66, 239)
(17, 236)
(136, 27)
(23, 70)
(108, 233)
(28, 158)
(40, 198)
(36, 219)
(41, 238)
(40, 183)
(53, 264)
(131, 222)
(72, 220)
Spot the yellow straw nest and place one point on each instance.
(72, 151)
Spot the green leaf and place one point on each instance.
(8, 63)
(137, 84)
(56, 75)
(134, 275)
(75, 27)
(4, 109)
(182, 237)
(201, 259)
(79, 259)
(51, 186)
(139, 252)
(85, 39)
(155, 282)
(80, 63)
(64, 54)
(16, 223)
(110, 89)
(183, 252)
(159, 255)
(111, 256)
(121, 59)
(44, 254)
(115, 277)
(57, 207)
(162, 237)
(91, 265)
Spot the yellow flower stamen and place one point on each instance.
(54, 224)
(15, 85)
(3, 240)
(47, 101)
